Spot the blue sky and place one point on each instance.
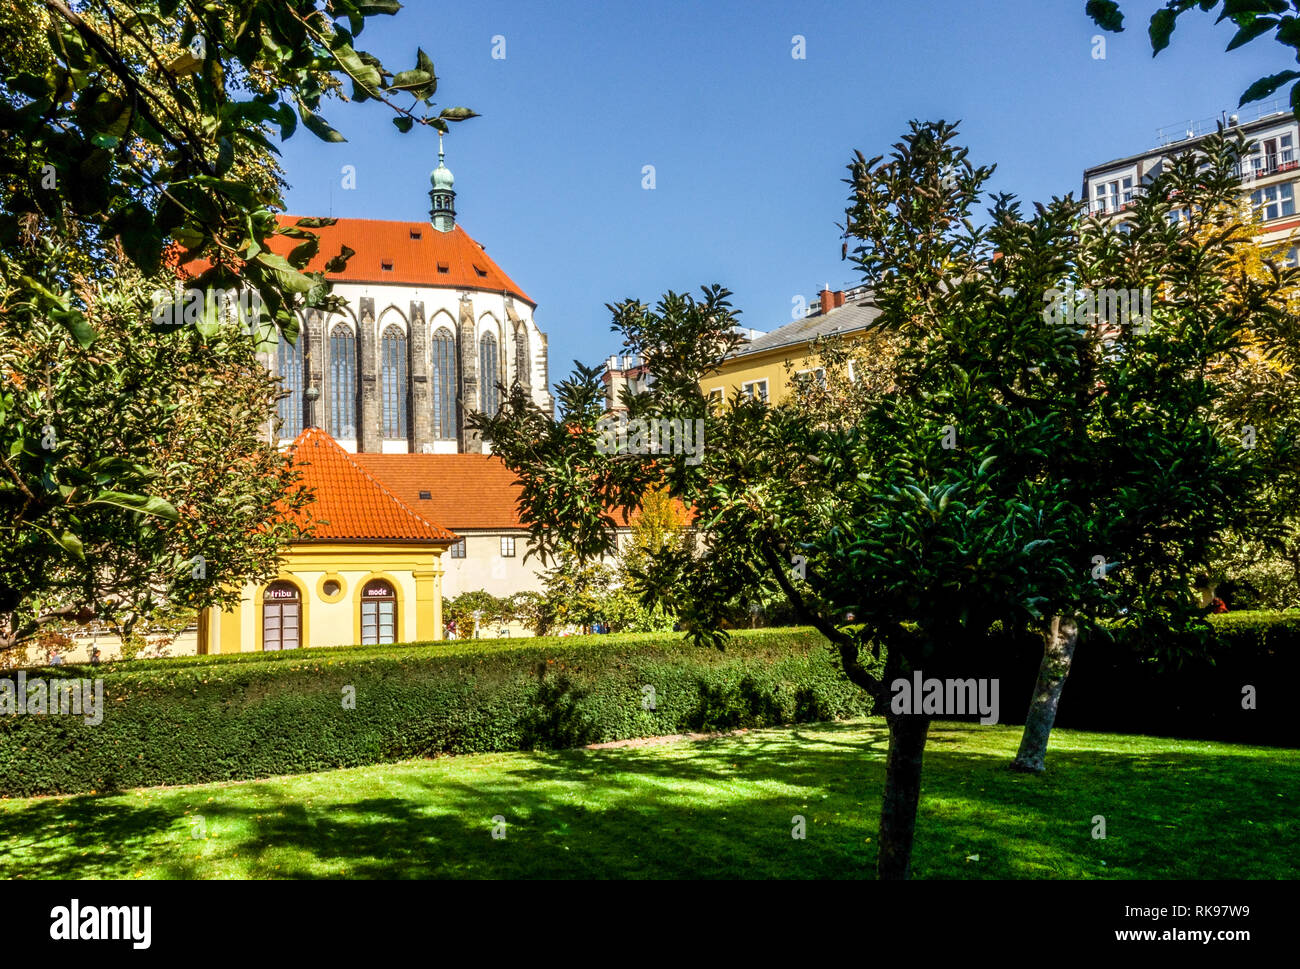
(748, 143)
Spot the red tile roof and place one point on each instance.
(418, 254)
(414, 261)
(465, 490)
(350, 504)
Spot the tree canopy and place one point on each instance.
(139, 139)
(1042, 449)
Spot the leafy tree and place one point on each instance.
(86, 433)
(659, 527)
(474, 610)
(1261, 388)
(846, 375)
(1013, 448)
(529, 608)
(138, 140)
(575, 592)
(1252, 18)
(142, 122)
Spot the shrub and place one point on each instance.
(213, 718)
(1197, 690)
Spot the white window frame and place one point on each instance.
(1113, 192)
(818, 374)
(507, 546)
(748, 389)
(1272, 201)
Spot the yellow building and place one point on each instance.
(370, 573)
(758, 369)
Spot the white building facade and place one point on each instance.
(1269, 174)
(432, 331)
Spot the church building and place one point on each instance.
(433, 329)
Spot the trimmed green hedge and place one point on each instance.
(1267, 628)
(198, 719)
(1197, 691)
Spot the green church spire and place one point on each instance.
(441, 196)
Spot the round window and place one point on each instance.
(331, 588)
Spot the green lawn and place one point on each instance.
(713, 808)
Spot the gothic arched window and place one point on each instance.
(290, 369)
(343, 383)
(393, 380)
(489, 397)
(443, 373)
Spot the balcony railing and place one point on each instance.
(1257, 166)
(1115, 203)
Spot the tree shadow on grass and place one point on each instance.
(721, 809)
(92, 836)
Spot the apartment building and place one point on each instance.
(1269, 173)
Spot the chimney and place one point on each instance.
(830, 300)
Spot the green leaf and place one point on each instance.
(302, 254)
(141, 240)
(403, 123)
(288, 121)
(288, 276)
(365, 75)
(425, 63)
(273, 260)
(318, 125)
(1289, 32)
(410, 79)
(372, 7)
(1162, 25)
(75, 322)
(188, 236)
(340, 262)
(73, 545)
(31, 85)
(1252, 30)
(225, 156)
(1266, 86)
(457, 114)
(1105, 14)
(146, 505)
(1236, 8)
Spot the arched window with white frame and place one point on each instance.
(442, 372)
(289, 365)
(394, 382)
(343, 382)
(489, 371)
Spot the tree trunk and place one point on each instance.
(1058, 653)
(902, 792)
